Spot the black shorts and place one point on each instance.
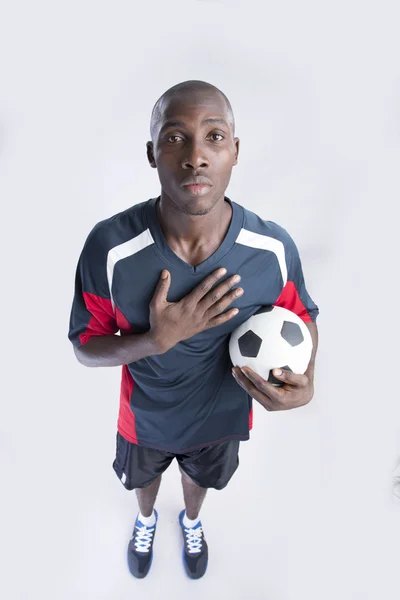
(209, 467)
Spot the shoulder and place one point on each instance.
(115, 230)
(256, 224)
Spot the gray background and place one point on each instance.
(315, 90)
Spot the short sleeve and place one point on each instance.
(92, 312)
(295, 296)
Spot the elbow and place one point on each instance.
(80, 356)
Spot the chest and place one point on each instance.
(197, 256)
(135, 280)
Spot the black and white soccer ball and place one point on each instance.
(272, 338)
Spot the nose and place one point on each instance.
(194, 157)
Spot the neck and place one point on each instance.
(190, 229)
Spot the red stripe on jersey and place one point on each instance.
(290, 300)
(102, 321)
(126, 418)
(251, 419)
(122, 321)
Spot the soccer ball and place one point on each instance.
(272, 338)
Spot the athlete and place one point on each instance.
(156, 293)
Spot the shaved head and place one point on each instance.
(187, 91)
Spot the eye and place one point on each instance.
(220, 135)
(173, 136)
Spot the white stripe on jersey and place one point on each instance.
(264, 242)
(124, 250)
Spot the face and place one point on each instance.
(190, 147)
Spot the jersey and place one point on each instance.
(187, 397)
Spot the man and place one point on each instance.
(154, 273)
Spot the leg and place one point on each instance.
(147, 497)
(193, 496)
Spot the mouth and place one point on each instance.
(196, 186)
(197, 189)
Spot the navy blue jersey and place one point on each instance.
(187, 397)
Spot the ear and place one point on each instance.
(150, 154)
(236, 142)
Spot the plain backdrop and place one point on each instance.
(315, 89)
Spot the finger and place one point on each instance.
(205, 286)
(219, 307)
(275, 393)
(254, 392)
(163, 285)
(290, 378)
(218, 299)
(220, 319)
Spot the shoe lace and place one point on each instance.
(144, 536)
(194, 539)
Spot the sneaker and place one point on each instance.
(140, 548)
(195, 549)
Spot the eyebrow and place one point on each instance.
(209, 121)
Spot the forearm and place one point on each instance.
(116, 350)
(312, 327)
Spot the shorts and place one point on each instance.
(209, 467)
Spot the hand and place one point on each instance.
(172, 322)
(296, 391)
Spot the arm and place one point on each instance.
(93, 322)
(115, 350)
(312, 327)
(297, 390)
